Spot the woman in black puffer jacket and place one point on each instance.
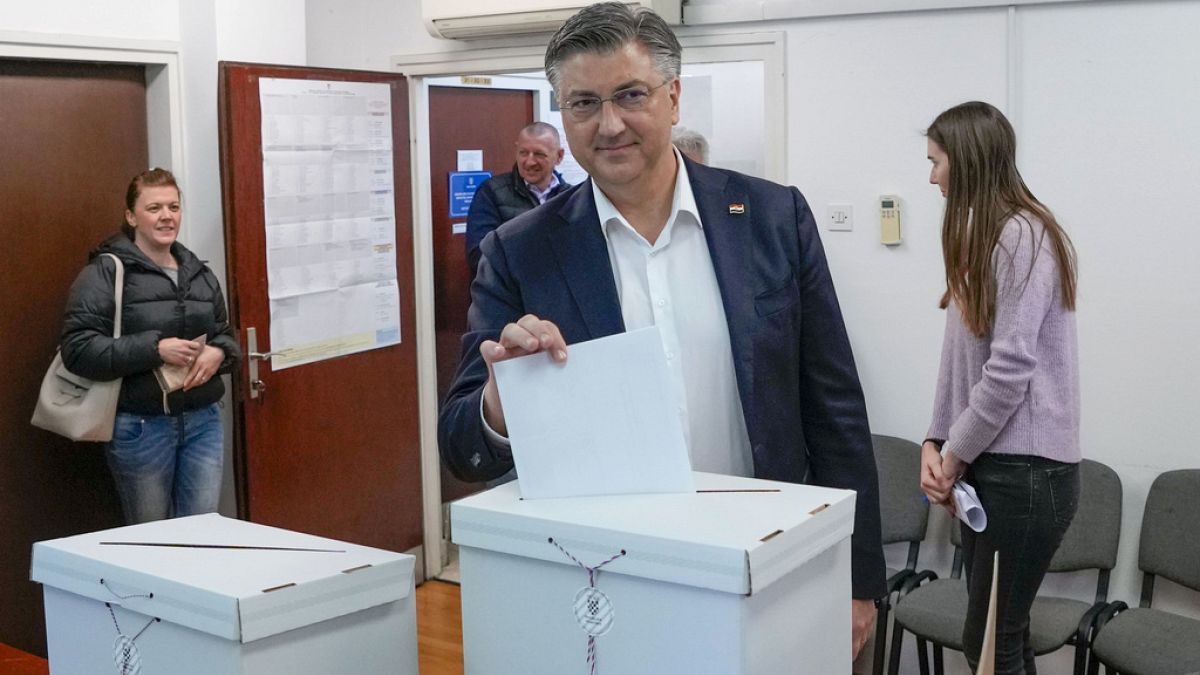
(167, 449)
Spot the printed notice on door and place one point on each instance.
(330, 218)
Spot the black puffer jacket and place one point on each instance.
(153, 308)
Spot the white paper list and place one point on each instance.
(329, 208)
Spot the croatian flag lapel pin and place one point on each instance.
(737, 208)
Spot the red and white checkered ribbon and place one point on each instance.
(591, 602)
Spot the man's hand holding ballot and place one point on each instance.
(528, 335)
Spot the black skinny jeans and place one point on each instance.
(1029, 502)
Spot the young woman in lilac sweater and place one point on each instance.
(1006, 411)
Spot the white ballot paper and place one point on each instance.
(967, 506)
(606, 422)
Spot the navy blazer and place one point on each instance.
(799, 388)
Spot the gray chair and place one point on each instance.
(904, 515)
(1143, 640)
(934, 610)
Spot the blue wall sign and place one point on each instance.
(463, 185)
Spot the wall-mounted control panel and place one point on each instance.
(889, 220)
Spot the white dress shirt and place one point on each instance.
(671, 284)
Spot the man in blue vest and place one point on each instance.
(532, 181)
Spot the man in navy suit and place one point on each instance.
(728, 267)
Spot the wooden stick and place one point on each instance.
(987, 655)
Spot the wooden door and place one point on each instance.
(72, 136)
(332, 447)
(463, 119)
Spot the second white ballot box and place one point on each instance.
(213, 595)
(743, 577)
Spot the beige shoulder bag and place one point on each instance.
(74, 406)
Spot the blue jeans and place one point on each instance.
(1030, 502)
(167, 466)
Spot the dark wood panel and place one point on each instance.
(463, 119)
(71, 136)
(333, 447)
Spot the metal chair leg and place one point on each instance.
(897, 643)
(922, 656)
(1081, 655)
(880, 638)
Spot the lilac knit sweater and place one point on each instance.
(1015, 391)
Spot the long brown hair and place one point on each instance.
(985, 192)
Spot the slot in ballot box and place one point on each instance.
(742, 577)
(213, 595)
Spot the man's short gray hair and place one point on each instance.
(604, 28)
(542, 129)
(691, 143)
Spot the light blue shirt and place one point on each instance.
(542, 195)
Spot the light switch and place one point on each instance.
(839, 217)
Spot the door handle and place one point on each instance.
(257, 386)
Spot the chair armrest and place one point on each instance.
(915, 580)
(897, 579)
(1083, 637)
(1087, 621)
(1102, 617)
(1107, 614)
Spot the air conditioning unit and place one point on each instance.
(469, 19)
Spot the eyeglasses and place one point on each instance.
(583, 107)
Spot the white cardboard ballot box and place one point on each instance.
(207, 594)
(743, 577)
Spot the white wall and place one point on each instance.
(865, 90)
(1105, 97)
(364, 34)
(725, 103)
(1110, 113)
(263, 31)
(130, 19)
